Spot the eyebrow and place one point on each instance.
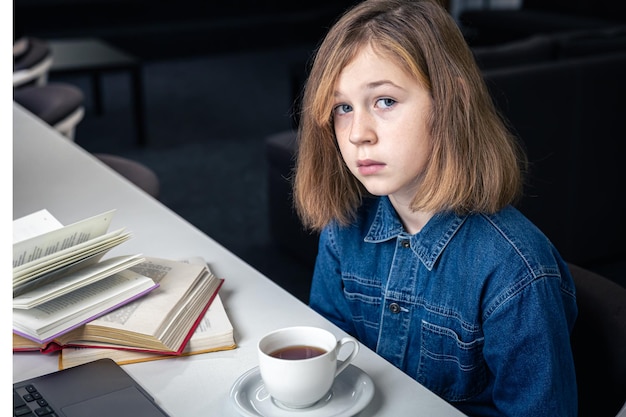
(372, 85)
(376, 84)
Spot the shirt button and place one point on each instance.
(394, 308)
(406, 244)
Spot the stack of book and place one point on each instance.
(129, 308)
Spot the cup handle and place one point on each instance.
(355, 351)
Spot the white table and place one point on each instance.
(54, 173)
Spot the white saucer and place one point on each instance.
(352, 391)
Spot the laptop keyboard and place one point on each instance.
(28, 402)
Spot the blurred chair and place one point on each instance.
(32, 58)
(599, 344)
(140, 175)
(59, 105)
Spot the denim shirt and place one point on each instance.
(477, 308)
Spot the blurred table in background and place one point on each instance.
(94, 57)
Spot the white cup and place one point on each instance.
(300, 383)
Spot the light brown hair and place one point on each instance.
(475, 163)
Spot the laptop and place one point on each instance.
(96, 389)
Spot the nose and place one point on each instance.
(362, 128)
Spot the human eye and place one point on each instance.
(385, 103)
(342, 109)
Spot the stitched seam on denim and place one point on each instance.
(368, 323)
(367, 282)
(513, 292)
(435, 309)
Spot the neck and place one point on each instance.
(413, 221)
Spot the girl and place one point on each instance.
(409, 173)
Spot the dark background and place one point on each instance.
(164, 29)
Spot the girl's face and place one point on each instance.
(380, 115)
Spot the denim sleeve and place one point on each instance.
(527, 347)
(327, 296)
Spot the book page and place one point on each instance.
(145, 318)
(214, 333)
(80, 278)
(62, 258)
(23, 285)
(58, 239)
(34, 224)
(215, 329)
(51, 319)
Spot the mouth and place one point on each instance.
(369, 167)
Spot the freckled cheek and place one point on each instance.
(341, 130)
(342, 136)
(347, 154)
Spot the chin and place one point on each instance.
(377, 188)
(377, 192)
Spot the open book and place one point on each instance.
(64, 314)
(214, 333)
(59, 280)
(161, 322)
(44, 250)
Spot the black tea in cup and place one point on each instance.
(297, 352)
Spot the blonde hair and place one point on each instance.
(475, 165)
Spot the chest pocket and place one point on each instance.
(449, 366)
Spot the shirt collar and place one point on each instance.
(428, 244)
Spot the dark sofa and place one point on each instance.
(563, 96)
(492, 26)
(540, 48)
